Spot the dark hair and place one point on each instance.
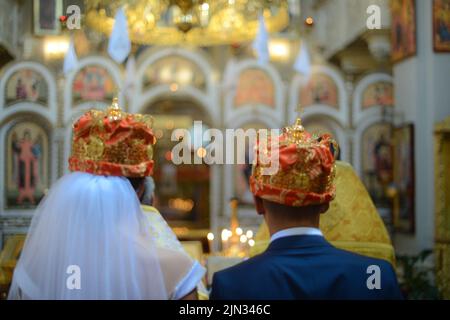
(136, 182)
(291, 212)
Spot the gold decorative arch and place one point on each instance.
(442, 205)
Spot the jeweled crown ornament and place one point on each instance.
(113, 143)
(306, 169)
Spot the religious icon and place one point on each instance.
(403, 140)
(377, 162)
(441, 25)
(254, 87)
(403, 31)
(378, 94)
(27, 165)
(46, 17)
(320, 90)
(26, 85)
(93, 83)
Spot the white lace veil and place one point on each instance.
(94, 225)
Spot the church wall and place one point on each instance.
(334, 32)
(441, 70)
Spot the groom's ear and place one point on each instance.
(259, 205)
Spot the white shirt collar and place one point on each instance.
(296, 232)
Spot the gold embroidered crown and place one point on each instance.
(113, 142)
(306, 169)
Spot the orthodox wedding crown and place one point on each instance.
(113, 143)
(306, 169)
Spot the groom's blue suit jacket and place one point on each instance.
(306, 267)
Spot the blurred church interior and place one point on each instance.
(373, 73)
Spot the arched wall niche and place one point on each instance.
(333, 105)
(28, 86)
(27, 161)
(144, 94)
(92, 85)
(240, 101)
(372, 93)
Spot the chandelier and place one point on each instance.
(194, 22)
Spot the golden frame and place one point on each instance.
(404, 136)
(438, 44)
(442, 205)
(38, 30)
(404, 49)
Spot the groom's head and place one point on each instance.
(303, 185)
(279, 216)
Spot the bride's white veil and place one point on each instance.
(89, 240)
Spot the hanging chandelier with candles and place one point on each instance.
(193, 22)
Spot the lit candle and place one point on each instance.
(210, 238)
(242, 246)
(224, 237)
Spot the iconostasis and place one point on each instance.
(179, 86)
